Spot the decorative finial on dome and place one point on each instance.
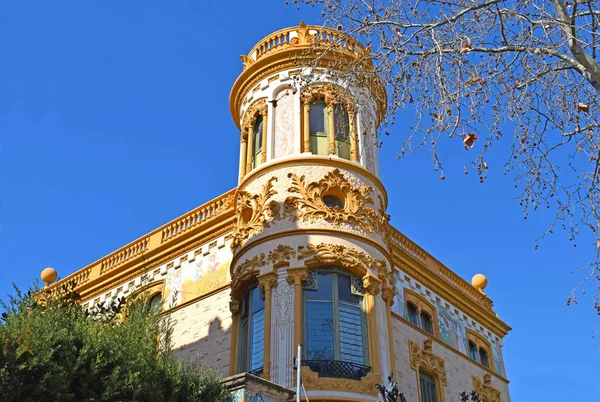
(302, 24)
(49, 275)
(479, 282)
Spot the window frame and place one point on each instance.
(480, 343)
(244, 358)
(422, 305)
(335, 270)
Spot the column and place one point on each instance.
(266, 283)
(353, 136)
(388, 296)
(263, 154)
(306, 126)
(250, 153)
(331, 125)
(243, 154)
(295, 277)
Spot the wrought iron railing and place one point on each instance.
(337, 369)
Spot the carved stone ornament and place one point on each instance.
(254, 213)
(424, 360)
(304, 37)
(485, 390)
(257, 107)
(247, 270)
(388, 294)
(371, 284)
(247, 61)
(307, 202)
(281, 254)
(297, 275)
(331, 93)
(366, 385)
(267, 281)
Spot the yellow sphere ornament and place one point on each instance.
(49, 275)
(479, 282)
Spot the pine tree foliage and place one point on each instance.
(52, 349)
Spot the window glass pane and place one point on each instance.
(257, 302)
(257, 340)
(156, 303)
(426, 323)
(351, 336)
(473, 351)
(258, 133)
(413, 316)
(483, 358)
(341, 123)
(319, 330)
(427, 385)
(317, 118)
(323, 290)
(345, 290)
(332, 201)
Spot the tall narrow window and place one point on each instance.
(252, 337)
(473, 351)
(318, 128)
(258, 145)
(483, 357)
(342, 131)
(428, 388)
(335, 323)
(413, 314)
(426, 322)
(155, 303)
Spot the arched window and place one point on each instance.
(331, 201)
(155, 303)
(426, 322)
(483, 357)
(473, 351)
(252, 326)
(413, 315)
(428, 388)
(335, 322)
(479, 348)
(420, 312)
(257, 143)
(318, 128)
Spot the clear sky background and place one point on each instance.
(114, 119)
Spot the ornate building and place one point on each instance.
(301, 252)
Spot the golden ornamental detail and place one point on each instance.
(258, 107)
(307, 202)
(388, 294)
(485, 390)
(254, 213)
(371, 284)
(281, 254)
(366, 385)
(246, 61)
(424, 360)
(247, 270)
(331, 93)
(297, 275)
(267, 281)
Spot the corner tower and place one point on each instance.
(311, 260)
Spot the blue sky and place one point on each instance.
(114, 119)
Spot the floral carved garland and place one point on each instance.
(425, 360)
(485, 390)
(254, 213)
(307, 202)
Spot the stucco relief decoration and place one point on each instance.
(485, 390)
(254, 213)
(283, 313)
(256, 108)
(348, 257)
(332, 94)
(365, 385)
(306, 203)
(197, 278)
(247, 270)
(424, 360)
(368, 139)
(281, 254)
(284, 124)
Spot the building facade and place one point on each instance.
(301, 251)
